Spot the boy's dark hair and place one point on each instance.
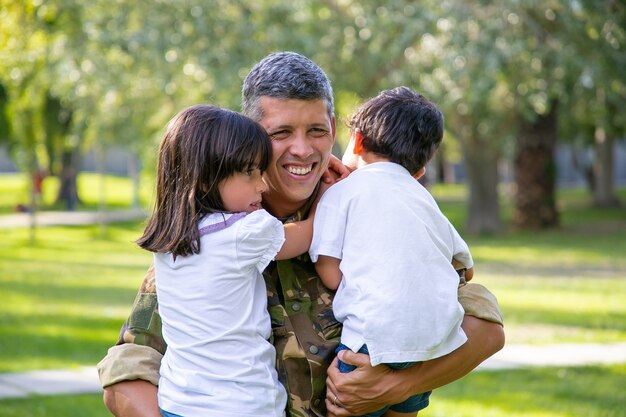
(288, 76)
(400, 125)
(202, 146)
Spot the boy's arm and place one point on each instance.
(369, 388)
(327, 268)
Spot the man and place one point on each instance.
(291, 97)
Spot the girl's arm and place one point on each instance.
(298, 237)
(336, 171)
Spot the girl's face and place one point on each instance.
(241, 192)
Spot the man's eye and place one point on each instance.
(281, 134)
(318, 133)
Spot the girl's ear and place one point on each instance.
(358, 142)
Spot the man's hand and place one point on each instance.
(336, 171)
(362, 390)
(367, 388)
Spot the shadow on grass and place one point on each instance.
(55, 341)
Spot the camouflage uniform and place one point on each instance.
(305, 332)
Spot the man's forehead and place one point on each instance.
(294, 112)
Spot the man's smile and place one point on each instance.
(299, 169)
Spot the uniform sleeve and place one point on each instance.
(329, 226)
(259, 238)
(479, 302)
(140, 347)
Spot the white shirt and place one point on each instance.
(216, 324)
(398, 293)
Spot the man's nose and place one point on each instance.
(301, 145)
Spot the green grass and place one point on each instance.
(62, 405)
(64, 299)
(595, 391)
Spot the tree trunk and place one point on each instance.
(68, 191)
(484, 206)
(603, 187)
(535, 174)
(602, 169)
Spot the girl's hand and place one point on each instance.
(336, 171)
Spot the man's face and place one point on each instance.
(302, 136)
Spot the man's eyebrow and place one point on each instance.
(324, 125)
(280, 127)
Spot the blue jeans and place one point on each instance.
(412, 404)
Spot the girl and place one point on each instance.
(211, 242)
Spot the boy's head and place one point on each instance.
(397, 125)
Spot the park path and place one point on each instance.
(85, 380)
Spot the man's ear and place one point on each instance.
(419, 174)
(358, 142)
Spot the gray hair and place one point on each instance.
(285, 75)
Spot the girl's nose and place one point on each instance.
(262, 186)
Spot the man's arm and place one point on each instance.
(136, 398)
(368, 388)
(129, 372)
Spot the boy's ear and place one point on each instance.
(419, 174)
(358, 142)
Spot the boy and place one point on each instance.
(381, 241)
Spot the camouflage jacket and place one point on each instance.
(305, 332)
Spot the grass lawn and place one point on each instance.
(65, 297)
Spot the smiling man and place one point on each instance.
(291, 97)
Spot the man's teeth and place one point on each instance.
(300, 170)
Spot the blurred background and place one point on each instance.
(532, 169)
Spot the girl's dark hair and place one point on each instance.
(202, 146)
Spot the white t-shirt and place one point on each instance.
(216, 324)
(398, 293)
